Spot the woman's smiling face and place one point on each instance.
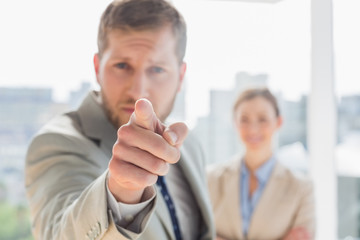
(256, 122)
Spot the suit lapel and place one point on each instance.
(270, 197)
(163, 214)
(95, 124)
(231, 185)
(197, 184)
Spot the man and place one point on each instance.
(99, 172)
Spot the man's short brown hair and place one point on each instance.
(142, 15)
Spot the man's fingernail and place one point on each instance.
(173, 137)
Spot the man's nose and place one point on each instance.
(138, 85)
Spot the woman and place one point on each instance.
(256, 197)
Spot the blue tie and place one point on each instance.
(170, 205)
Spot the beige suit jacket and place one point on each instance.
(287, 202)
(66, 170)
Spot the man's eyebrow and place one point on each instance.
(159, 62)
(120, 57)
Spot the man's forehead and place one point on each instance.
(159, 40)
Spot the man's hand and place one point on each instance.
(144, 149)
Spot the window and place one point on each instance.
(47, 67)
(347, 50)
(233, 45)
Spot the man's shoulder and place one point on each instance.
(192, 141)
(65, 124)
(192, 146)
(76, 123)
(226, 167)
(62, 135)
(192, 151)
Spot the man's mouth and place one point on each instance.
(128, 110)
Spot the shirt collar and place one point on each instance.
(263, 172)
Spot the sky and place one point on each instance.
(47, 43)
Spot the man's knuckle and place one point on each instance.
(157, 145)
(175, 156)
(158, 166)
(124, 132)
(147, 179)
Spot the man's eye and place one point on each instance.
(121, 65)
(157, 70)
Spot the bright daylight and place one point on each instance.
(269, 91)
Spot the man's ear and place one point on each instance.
(182, 74)
(96, 61)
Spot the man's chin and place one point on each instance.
(121, 122)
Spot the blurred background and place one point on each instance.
(306, 51)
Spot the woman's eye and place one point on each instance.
(262, 120)
(121, 65)
(243, 120)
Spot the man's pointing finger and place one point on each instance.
(145, 117)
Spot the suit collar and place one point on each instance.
(236, 200)
(273, 190)
(231, 184)
(95, 123)
(197, 185)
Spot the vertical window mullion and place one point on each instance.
(322, 119)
